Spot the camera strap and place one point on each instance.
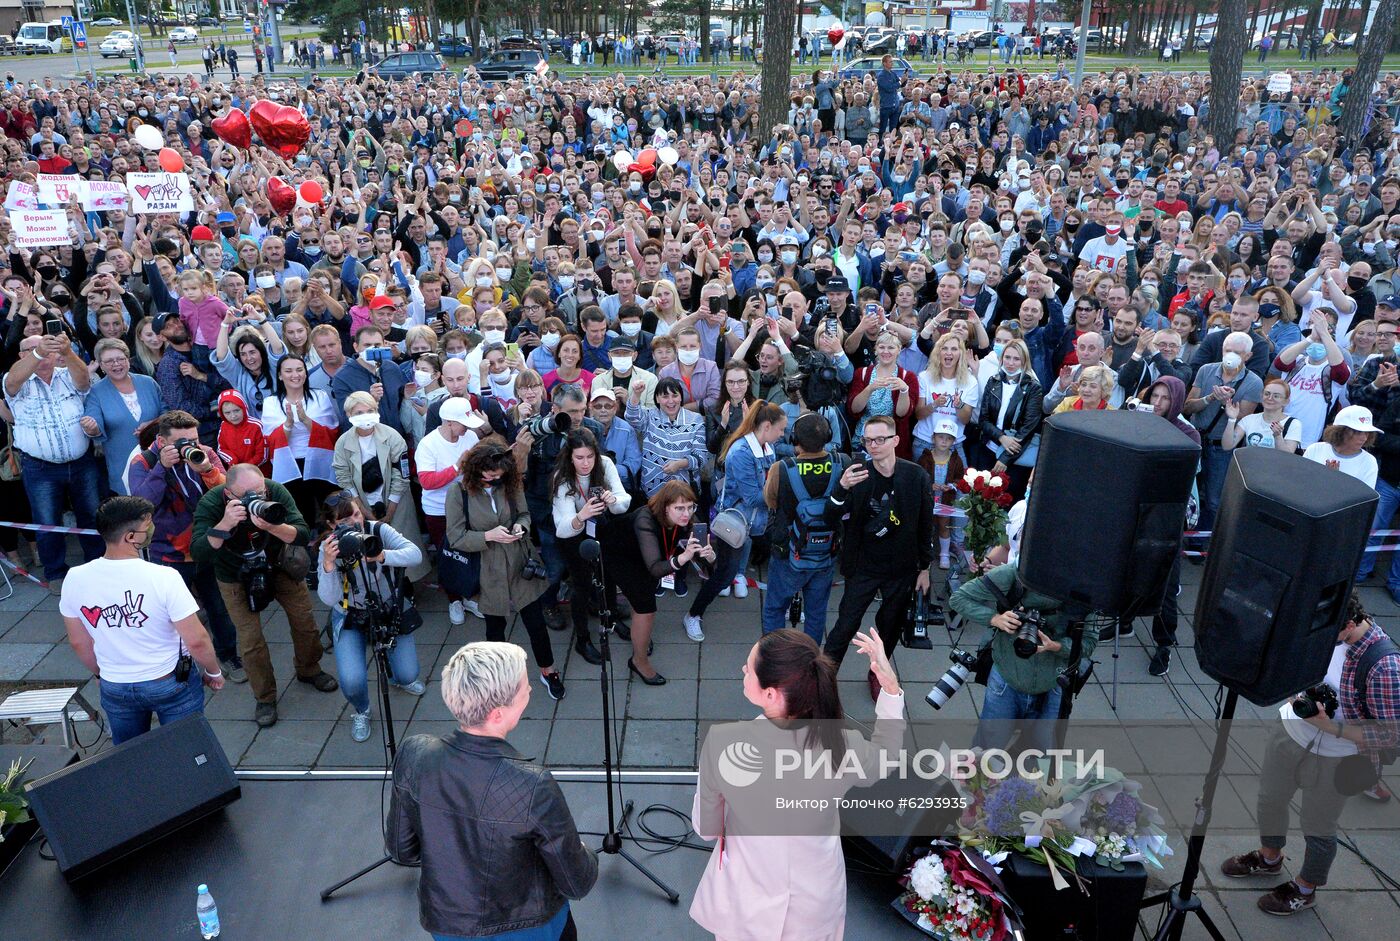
(1005, 604)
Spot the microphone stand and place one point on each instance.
(592, 553)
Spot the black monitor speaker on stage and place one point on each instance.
(1288, 538)
(133, 794)
(1107, 510)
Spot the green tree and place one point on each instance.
(1358, 98)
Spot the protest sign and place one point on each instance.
(103, 195)
(56, 189)
(160, 192)
(21, 196)
(1280, 82)
(40, 228)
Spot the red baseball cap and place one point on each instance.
(201, 233)
(383, 300)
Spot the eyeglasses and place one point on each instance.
(336, 499)
(879, 439)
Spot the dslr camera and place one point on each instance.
(354, 543)
(964, 665)
(1321, 698)
(191, 453)
(556, 422)
(534, 568)
(1027, 640)
(269, 511)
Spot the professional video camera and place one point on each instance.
(354, 543)
(269, 511)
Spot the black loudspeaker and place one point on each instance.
(1109, 912)
(1107, 510)
(140, 791)
(1288, 537)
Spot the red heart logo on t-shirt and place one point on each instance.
(93, 615)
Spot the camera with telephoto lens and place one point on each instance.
(1027, 640)
(556, 422)
(1310, 702)
(534, 568)
(190, 452)
(255, 574)
(269, 511)
(354, 543)
(964, 663)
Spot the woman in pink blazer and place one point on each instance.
(780, 875)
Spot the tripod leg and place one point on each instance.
(328, 892)
(671, 895)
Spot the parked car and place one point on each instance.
(454, 47)
(213, 22)
(879, 42)
(121, 42)
(107, 21)
(184, 34)
(869, 65)
(672, 42)
(7, 45)
(403, 64)
(508, 64)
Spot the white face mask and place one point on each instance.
(631, 329)
(365, 421)
(422, 378)
(566, 282)
(494, 336)
(789, 258)
(550, 340)
(976, 277)
(621, 364)
(688, 357)
(503, 273)
(266, 281)
(483, 280)
(1231, 360)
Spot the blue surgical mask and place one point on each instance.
(1316, 351)
(997, 348)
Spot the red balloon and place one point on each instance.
(646, 170)
(283, 128)
(234, 129)
(282, 196)
(311, 191)
(170, 160)
(834, 34)
(647, 158)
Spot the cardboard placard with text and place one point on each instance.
(159, 192)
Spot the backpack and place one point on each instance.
(812, 542)
(821, 387)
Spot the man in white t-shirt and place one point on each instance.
(130, 620)
(1107, 252)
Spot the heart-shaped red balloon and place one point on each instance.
(282, 196)
(646, 170)
(283, 128)
(834, 34)
(234, 129)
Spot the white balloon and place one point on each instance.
(669, 156)
(876, 19)
(622, 160)
(149, 137)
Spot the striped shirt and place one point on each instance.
(46, 418)
(664, 440)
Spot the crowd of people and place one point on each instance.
(528, 317)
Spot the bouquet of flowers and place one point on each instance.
(985, 500)
(13, 802)
(1109, 812)
(1024, 816)
(948, 898)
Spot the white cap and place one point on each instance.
(455, 409)
(1358, 418)
(946, 426)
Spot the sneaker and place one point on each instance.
(323, 682)
(1161, 662)
(727, 590)
(1106, 635)
(233, 671)
(359, 726)
(681, 588)
(470, 607)
(1379, 793)
(554, 684)
(456, 613)
(741, 587)
(667, 583)
(1287, 899)
(265, 715)
(413, 689)
(693, 628)
(1252, 863)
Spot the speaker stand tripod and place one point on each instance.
(1183, 902)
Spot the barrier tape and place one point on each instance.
(35, 527)
(21, 570)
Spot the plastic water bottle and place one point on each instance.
(207, 913)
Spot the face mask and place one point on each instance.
(483, 280)
(550, 340)
(621, 364)
(1316, 351)
(763, 283)
(1113, 229)
(634, 188)
(311, 251)
(422, 378)
(1231, 361)
(1237, 284)
(688, 357)
(1011, 373)
(976, 277)
(503, 273)
(1007, 225)
(1356, 284)
(1071, 226)
(266, 281)
(997, 348)
(365, 421)
(49, 271)
(566, 282)
(765, 258)
(631, 328)
(789, 258)
(228, 233)
(494, 336)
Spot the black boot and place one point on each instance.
(584, 645)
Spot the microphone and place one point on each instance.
(590, 550)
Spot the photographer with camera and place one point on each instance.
(1030, 649)
(175, 473)
(366, 601)
(537, 449)
(1332, 743)
(136, 626)
(250, 531)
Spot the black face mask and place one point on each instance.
(1356, 284)
(228, 233)
(1071, 226)
(49, 271)
(62, 300)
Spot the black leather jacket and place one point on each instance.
(492, 832)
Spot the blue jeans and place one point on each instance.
(1005, 709)
(351, 660)
(1390, 502)
(784, 582)
(1215, 462)
(49, 486)
(129, 706)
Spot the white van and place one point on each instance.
(43, 37)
